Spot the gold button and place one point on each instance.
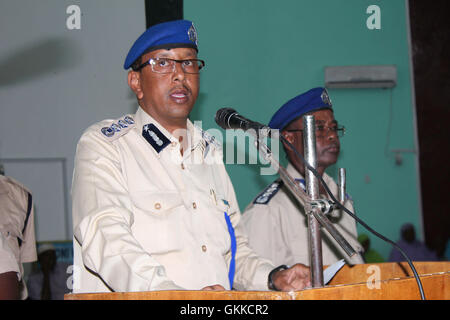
(173, 143)
(203, 248)
(157, 206)
(194, 205)
(182, 166)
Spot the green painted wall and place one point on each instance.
(261, 53)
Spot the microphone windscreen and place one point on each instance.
(223, 115)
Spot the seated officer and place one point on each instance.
(153, 207)
(17, 237)
(276, 223)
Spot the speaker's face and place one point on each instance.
(168, 97)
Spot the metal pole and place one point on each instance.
(312, 188)
(341, 193)
(342, 185)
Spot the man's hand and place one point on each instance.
(9, 286)
(214, 287)
(295, 278)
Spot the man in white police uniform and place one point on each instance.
(275, 222)
(17, 237)
(153, 207)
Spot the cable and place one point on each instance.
(419, 283)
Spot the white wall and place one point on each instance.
(54, 83)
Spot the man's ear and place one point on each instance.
(134, 82)
(289, 136)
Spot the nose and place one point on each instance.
(331, 134)
(178, 72)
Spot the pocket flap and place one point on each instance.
(156, 202)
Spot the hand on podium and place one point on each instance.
(214, 287)
(294, 278)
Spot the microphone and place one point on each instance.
(228, 118)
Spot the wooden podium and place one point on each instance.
(378, 281)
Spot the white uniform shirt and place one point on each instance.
(146, 218)
(14, 204)
(276, 225)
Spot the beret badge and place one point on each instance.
(325, 97)
(192, 34)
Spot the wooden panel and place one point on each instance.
(394, 286)
(436, 287)
(361, 272)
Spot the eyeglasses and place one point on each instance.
(166, 65)
(322, 131)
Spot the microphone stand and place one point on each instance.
(315, 207)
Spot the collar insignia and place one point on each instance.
(155, 137)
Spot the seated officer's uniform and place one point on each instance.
(276, 223)
(148, 218)
(17, 236)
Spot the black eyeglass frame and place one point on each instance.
(149, 62)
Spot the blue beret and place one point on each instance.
(312, 100)
(166, 35)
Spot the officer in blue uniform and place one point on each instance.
(275, 222)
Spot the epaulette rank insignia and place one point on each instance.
(118, 129)
(267, 194)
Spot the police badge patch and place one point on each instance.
(325, 97)
(192, 33)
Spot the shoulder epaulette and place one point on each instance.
(267, 194)
(118, 128)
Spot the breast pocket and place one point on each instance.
(217, 228)
(158, 221)
(156, 203)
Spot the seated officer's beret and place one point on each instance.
(166, 35)
(312, 100)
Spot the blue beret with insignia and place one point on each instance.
(312, 100)
(166, 35)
